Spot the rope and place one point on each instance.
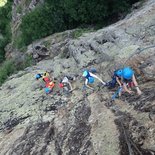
(139, 51)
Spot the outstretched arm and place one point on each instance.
(93, 75)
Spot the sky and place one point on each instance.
(2, 2)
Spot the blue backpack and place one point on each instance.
(89, 77)
(112, 83)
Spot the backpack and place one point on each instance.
(90, 78)
(112, 83)
(50, 85)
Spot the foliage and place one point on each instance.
(47, 44)
(79, 32)
(3, 42)
(26, 63)
(5, 29)
(40, 23)
(6, 69)
(55, 16)
(19, 9)
(9, 67)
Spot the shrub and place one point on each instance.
(5, 29)
(9, 67)
(6, 69)
(19, 9)
(55, 16)
(79, 32)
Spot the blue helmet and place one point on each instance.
(127, 73)
(38, 76)
(47, 90)
(85, 73)
(119, 72)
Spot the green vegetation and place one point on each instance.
(55, 16)
(26, 63)
(5, 30)
(47, 44)
(27, 2)
(6, 69)
(79, 32)
(19, 9)
(9, 67)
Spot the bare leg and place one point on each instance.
(136, 85)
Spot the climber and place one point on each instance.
(49, 84)
(49, 87)
(90, 78)
(66, 84)
(129, 80)
(45, 77)
(116, 78)
(126, 79)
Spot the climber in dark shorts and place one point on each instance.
(126, 79)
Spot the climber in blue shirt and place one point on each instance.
(90, 78)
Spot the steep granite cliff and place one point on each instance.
(33, 123)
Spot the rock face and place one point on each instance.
(84, 123)
(19, 9)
